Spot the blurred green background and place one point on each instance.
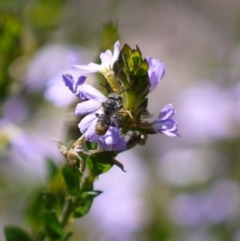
(175, 189)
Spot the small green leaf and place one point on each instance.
(71, 176)
(83, 209)
(15, 233)
(84, 203)
(90, 194)
(51, 224)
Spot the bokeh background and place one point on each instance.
(175, 189)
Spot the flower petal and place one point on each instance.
(106, 57)
(87, 69)
(86, 122)
(156, 71)
(120, 145)
(68, 81)
(167, 112)
(112, 136)
(87, 92)
(90, 134)
(116, 53)
(87, 107)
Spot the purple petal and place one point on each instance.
(112, 136)
(79, 82)
(68, 81)
(86, 122)
(87, 69)
(88, 106)
(106, 57)
(87, 92)
(116, 53)
(156, 71)
(167, 112)
(120, 145)
(90, 134)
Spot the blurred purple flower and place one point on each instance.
(15, 109)
(212, 206)
(165, 124)
(211, 110)
(23, 149)
(156, 71)
(46, 69)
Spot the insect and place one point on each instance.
(110, 107)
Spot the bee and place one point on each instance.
(110, 107)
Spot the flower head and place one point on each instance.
(131, 77)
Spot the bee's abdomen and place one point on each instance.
(102, 125)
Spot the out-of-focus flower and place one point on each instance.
(215, 205)
(23, 149)
(15, 109)
(207, 112)
(125, 195)
(46, 69)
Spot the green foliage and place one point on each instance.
(51, 224)
(10, 48)
(99, 163)
(108, 36)
(85, 203)
(15, 233)
(71, 176)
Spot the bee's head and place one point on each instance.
(115, 96)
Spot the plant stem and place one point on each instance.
(66, 212)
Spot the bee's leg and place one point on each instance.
(126, 111)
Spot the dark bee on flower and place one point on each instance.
(110, 108)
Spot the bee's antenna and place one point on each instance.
(107, 86)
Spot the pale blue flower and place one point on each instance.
(165, 124)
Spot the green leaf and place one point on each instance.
(49, 200)
(71, 176)
(83, 209)
(100, 162)
(33, 206)
(109, 35)
(15, 233)
(51, 224)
